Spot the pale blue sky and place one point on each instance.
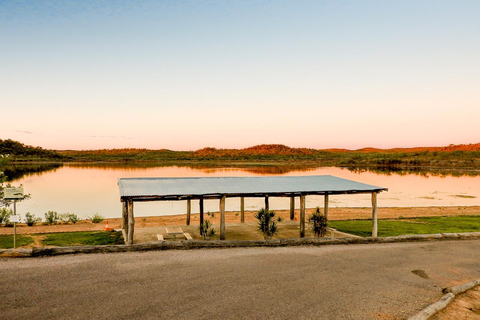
(190, 74)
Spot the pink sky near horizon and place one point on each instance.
(189, 75)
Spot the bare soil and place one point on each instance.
(234, 217)
(465, 306)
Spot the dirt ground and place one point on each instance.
(465, 306)
(234, 217)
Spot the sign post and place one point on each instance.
(14, 194)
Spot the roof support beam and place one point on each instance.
(200, 203)
(302, 216)
(222, 218)
(292, 208)
(242, 209)
(374, 215)
(267, 206)
(131, 222)
(325, 206)
(189, 211)
(125, 220)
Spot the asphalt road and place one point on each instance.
(378, 281)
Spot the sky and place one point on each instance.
(183, 75)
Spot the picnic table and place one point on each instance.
(174, 231)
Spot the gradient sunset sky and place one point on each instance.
(232, 74)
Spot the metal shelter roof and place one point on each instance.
(151, 189)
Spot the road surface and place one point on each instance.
(376, 281)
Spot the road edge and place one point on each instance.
(445, 300)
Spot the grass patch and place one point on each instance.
(463, 196)
(425, 225)
(6, 241)
(83, 238)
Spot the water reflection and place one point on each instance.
(424, 172)
(275, 169)
(15, 172)
(266, 169)
(87, 188)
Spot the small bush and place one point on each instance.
(51, 217)
(5, 216)
(266, 223)
(280, 219)
(319, 223)
(206, 230)
(30, 219)
(211, 214)
(63, 217)
(97, 218)
(72, 217)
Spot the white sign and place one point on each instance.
(15, 219)
(13, 193)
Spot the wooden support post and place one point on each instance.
(125, 221)
(222, 218)
(292, 208)
(325, 207)
(302, 216)
(374, 215)
(131, 222)
(201, 210)
(189, 211)
(267, 207)
(242, 210)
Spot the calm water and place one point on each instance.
(88, 189)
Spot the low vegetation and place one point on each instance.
(51, 217)
(30, 219)
(267, 223)
(318, 223)
(83, 238)
(97, 218)
(206, 230)
(396, 227)
(6, 241)
(453, 156)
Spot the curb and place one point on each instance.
(444, 301)
(199, 244)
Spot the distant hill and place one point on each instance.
(19, 152)
(464, 156)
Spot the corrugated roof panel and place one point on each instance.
(164, 187)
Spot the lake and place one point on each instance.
(86, 189)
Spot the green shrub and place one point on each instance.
(206, 230)
(63, 217)
(279, 219)
(5, 216)
(30, 219)
(319, 223)
(72, 217)
(211, 214)
(266, 223)
(51, 217)
(96, 218)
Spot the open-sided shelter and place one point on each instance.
(164, 189)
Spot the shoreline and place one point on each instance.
(234, 217)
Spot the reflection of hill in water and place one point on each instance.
(15, 172)
(255, 169)
(425, 172)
